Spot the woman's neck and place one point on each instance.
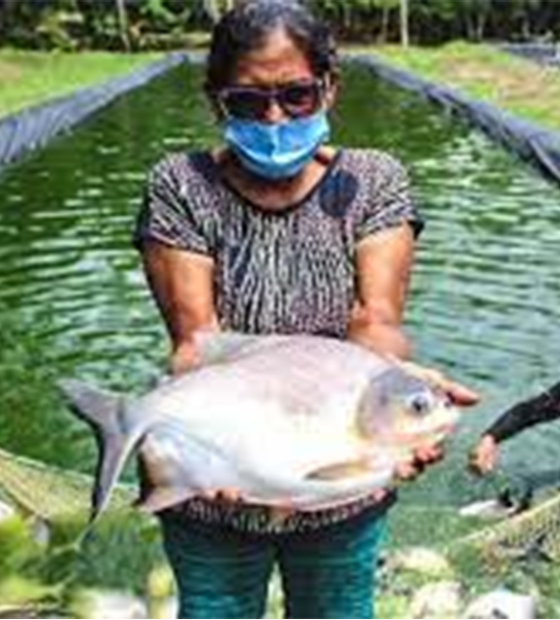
(273, 195)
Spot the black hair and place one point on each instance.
(246, 26)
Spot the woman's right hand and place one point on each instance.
(484, 456)
(183, 358)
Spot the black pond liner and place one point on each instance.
(33, 127)
(528, 141)
(541, 53)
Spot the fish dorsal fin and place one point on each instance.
(217, 347)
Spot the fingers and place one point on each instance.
(484, 457)
(184, 358)
(428, 454)
(422, 457)
(459, 394)
(407, 471)
(380, 494)
(227, 495)
(478, 467)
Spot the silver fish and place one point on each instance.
(302, 421)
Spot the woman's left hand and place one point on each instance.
(421, 458)
(460, 395)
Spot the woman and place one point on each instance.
(277, 232)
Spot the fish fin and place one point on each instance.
(215, 347)
(102, 410)
(372, 411)
(158, 499)
(342, 470)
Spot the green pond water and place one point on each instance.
(485, 296)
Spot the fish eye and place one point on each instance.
(420, 404)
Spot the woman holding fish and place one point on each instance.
(278, 233)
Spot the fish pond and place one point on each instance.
(485, 295)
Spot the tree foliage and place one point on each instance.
(145, 24)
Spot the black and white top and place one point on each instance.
(288, 271)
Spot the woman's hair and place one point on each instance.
(246, 27)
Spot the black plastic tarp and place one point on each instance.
(530, 142)
(35, 126)
(542, 53)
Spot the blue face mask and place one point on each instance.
(276, 150)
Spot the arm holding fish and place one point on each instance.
(383, 265)
(384, 258)
(385, 227)
(176, 244)
(182, 285)
(385, 233)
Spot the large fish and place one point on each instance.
(307, 422)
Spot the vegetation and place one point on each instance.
(34, 76)
(487, 73)
(170, 24)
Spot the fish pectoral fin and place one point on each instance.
(342, 470)
(158, 499)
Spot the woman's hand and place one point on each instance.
(226, 496)
(460, 395)
(183, 358)
(421, 458)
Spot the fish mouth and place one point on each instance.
(440, 432)
(446, 428)
(427, 436)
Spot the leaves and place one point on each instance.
(70, 24)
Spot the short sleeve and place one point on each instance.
(170, 213)
(388, 202)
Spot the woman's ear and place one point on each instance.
(214, 103)
(217, 109)
(331, 90)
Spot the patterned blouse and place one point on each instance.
(288, 271)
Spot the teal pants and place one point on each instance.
(222, 573)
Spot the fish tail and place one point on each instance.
(103, 411)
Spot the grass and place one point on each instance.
(27, 78)
(484, 72)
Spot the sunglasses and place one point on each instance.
(296, 99)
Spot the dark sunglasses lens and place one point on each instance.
(296, 100)
(300, 99)
(246, 103)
